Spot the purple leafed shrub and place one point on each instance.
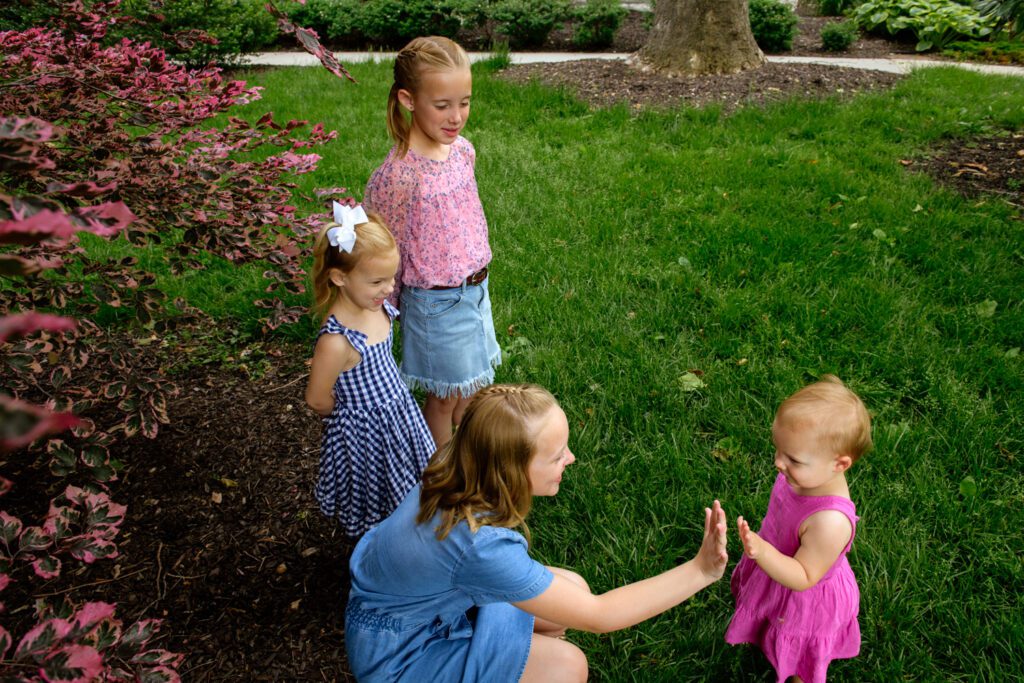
(112, 138)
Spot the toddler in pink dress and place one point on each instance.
(796, 595)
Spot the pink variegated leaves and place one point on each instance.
(89, 644)
(80, 523)
(118, 144)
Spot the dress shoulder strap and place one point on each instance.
(356, 338)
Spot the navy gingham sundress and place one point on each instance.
(375, 443)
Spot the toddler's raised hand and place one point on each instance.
(753, 545)
(712, 556)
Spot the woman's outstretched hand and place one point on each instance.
(712, 556)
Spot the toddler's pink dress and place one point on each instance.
(799, 631)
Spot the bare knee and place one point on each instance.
(444, 404)
(554, 661)
(575, 664)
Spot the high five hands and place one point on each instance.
(753, 545)
(712, 556)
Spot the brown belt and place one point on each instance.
(474, 279)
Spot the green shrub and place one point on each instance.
(773, 25)
(334, 20)
(396, 22)
(527, 23)
(997, 51)
(596, 23)
(838, 36)
(934, 23)
(240, 27)
(834, 8)
(19, 16)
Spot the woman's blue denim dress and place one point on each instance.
(423, 610)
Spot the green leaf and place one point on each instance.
(987, 308)
(690, 382)
(726, 448)
(968, 487)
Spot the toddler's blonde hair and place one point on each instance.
(482, 474)
(372, 239)
(837, 415)
(430, 53)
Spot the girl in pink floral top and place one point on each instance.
(426, 191)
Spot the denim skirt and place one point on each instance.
(448, 343)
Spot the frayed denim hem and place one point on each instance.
(446, 390)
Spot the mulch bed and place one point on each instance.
(602, 83)
(223, 539)
(990, 167)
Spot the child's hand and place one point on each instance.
(712, 557)
(753, 545)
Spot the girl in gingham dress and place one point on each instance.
(375, 442)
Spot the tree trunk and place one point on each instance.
(697, 37)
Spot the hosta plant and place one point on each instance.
(934, 23)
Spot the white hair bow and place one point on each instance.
(343, 236)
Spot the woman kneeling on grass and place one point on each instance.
(445, 590)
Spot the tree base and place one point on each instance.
(700, 37)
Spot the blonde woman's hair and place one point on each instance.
(432, 53)
(372, 239)
(482, 474)
(837, 414)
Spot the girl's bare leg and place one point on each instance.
(438, 413)
(553, 660)
(460, 410)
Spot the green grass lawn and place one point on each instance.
(757, 250)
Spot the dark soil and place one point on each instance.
(605, 82)
(223, 539)
(990, 167)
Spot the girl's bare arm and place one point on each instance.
(332, 356)
(822, 538)
(569, 604)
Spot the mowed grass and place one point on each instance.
(755, 251)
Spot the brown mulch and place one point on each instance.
(223, 539)
(988, 167)
(603, 83)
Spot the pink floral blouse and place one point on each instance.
(433, 209)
